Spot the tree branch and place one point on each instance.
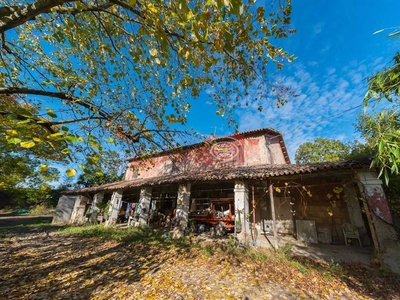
(59, 95)
(46, 125)
(13, 16)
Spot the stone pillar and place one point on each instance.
(378, 208)
(115, 205)
(182, 207)
(94, 210)
(380, 220)
(242, 211)
(78, 213)
(355, 214)
(144, 205)
(98, 198)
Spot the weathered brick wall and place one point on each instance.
(326, 208)
(255, 150)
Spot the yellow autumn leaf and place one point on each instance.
(37, 140)
(143, 271)
(152, 8)
(43, 168)
(11, 132)
(70, 172)
(153, 52)
(278, 190)
(27, 145)
(190, 15)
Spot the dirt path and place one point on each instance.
(15, 220)
(38, 263)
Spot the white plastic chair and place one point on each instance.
(350, 232)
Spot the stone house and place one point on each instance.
(270, 196)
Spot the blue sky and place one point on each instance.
(336, 51)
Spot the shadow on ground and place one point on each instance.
(39, 262)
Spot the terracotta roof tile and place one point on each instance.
(258, 172)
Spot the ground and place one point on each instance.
(42, 262)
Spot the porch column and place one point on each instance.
(144, 204)
(242, 211)
(376, 207)
(182, 207)
(380, 220)
(115, 205)
(78, 212)
(94, 210)
(355, 214)
(98, 198)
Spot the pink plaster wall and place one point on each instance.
(253, 150)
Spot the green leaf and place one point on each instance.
(72, 139)
(378, 31)
(65, 151)
(24, 122)
(110, 140)
(51, 113)
(55, 135)
(14, 140)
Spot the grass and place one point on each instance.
(144, 235)
(125, 235)
(280, 264)
(28, 224)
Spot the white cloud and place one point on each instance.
(326, 48)
(330, 71)
(326, 106)
(317, 28)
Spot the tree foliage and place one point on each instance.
(125, 71)
(371, 128)
(377, 129)
(382, 130)
(110, 169)
(329, 150)
(385, 84)
(24, 170)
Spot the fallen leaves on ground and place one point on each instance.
(34, 265)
